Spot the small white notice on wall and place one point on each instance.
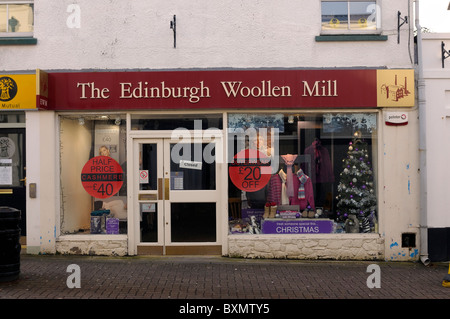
(6, 171)
(396, 118)
(148, 207)
(190, 164)
(143, 176)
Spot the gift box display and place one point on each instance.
(112, 225)
(98, 221)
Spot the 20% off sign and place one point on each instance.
(102, 177)
(250, 170)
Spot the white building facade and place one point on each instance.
(435, 83)
(324, 98)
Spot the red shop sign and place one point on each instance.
(203, 89)
(102, 177)
(250, 171)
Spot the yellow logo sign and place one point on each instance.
(8, 88)
(395, 88)
(17, 91)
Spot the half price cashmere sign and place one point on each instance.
(102, 177)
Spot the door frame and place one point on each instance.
(135, 247)
(13, 191)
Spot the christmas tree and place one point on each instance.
(356, 194)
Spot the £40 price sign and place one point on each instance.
(102, 177)
(250, 170)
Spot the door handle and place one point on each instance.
(160, 188)
(24, 180)
(166, 189)
(6, 191)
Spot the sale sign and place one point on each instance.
(102, 177)
(250, 170)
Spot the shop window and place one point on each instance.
(349, 16)
(88, 207)
(315, 173)
(16, 18)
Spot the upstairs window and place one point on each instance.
(347, 16)
(16, 18)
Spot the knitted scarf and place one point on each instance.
(289, 160)
(302, 179)
(284, 198)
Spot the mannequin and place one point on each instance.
(289, 160)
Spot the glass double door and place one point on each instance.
(176, 197)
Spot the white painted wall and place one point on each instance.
(399, 185)
(136, 34)
(437, 95)
(41, 164)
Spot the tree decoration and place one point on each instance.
(356, 195)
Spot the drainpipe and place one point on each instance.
(423, 228)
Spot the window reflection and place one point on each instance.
(349, 15)
(15, 18)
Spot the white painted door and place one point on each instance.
(176, 196)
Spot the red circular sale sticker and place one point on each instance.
(250, 170)
(102, 177)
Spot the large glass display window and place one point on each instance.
(93, 181)
(304, 173)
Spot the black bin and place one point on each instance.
(9, 243)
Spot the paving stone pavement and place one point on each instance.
(194, 279)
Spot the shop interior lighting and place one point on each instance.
(118, 121)
(81, 120)
(291, 119)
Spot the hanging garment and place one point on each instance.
(321, 168)
(302, 178)
(277, 189)
(289, 160)
(306, 197)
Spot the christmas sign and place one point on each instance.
(297, 226)
(250, 170)
(102, 177)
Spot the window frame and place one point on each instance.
(8, 34)
(348, 31)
